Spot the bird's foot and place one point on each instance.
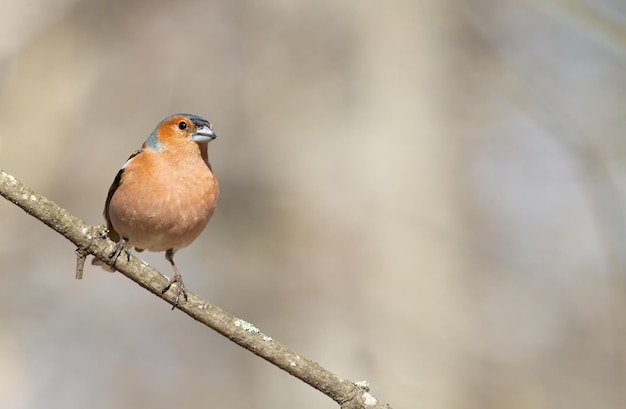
(121, 245)
(180, 288)
(110, 266)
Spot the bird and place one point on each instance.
(165, 194)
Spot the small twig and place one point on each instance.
(80, 263)
(92, 240)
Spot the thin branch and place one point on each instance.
(92, 240)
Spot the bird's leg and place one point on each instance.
(121, 245)
(178, 279)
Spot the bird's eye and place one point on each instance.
(182, 125)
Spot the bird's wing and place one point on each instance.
(113, 235)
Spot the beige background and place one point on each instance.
(423, 194)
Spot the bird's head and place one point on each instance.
(181, 130)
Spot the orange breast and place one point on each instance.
(164, 201)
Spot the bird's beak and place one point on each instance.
(203, 134)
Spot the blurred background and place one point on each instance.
(423, 194)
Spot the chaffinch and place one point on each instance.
(164, 195)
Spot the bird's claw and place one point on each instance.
(180, 289)
(121, 245)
